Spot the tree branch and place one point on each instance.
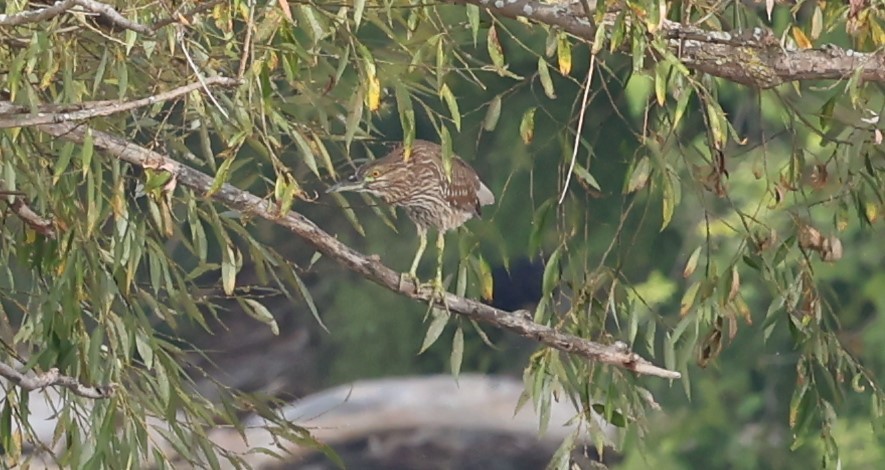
(12, 115)
(253, 206)
(105, 12)
(53, 378)
(754, 58)
(111, 17)
(36, 16)
(34, 220)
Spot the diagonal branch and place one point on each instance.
(106, 14)
(253, 206)
(14, 116)
(752, 57)
(40, 224)
(36, 16)
(53, 378)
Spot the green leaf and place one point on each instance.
(358, 7)
(527, 125)
(681, 105)
(826, 113)
(492, 114)
(692, 263)
(354, 117)
(670, 198)
(562, 458)
(539, 222)
(63, 161)
(406, 114)
(452, 103)
(145, 349)
(437, 325)
(308, 298)
(473, 20)
(496, 52)
(551, 272)
(718, 124)
(662, 70)
(611, 415)
(306, 152)
(457, 352)
(598, 41)
(221, 176)
(546, 81)
(228, 270)
(259, 312)
(586, 177)
(100, 71)
(87, 151)
(639, 175)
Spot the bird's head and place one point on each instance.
(378, 178)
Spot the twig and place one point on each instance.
(203, 81)
(40, 224)
(25, 120)
(254, 206)
(247, 43)
(109, 14)
(53, 378)
(36, 16)
(752, 57)
(104, 11)
(571, 167)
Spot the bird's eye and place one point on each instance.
(375, 174)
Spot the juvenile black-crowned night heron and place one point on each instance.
(419, 184)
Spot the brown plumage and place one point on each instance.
(420, 186)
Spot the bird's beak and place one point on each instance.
(347, 186)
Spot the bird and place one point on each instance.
(418, 182)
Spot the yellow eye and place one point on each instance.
(374, 174)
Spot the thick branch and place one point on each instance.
(753, 58)
(36, 16)
(53, 378)
(24, 212)
(253, 206)
(111, 17)
(105, 12)
(103, 108)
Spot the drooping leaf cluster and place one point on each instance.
(710, 226)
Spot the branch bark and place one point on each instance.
(12, 115)
(106, 13)
(754, 57)
(254, 206)
(53, 378)
(24, 212)
(36, 16)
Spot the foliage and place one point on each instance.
(702, 222)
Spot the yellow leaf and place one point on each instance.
(871, 212)
(373, 98)
(564, 54)
(486, 281)
(877, 34)
(801, 39)
(688, 299)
